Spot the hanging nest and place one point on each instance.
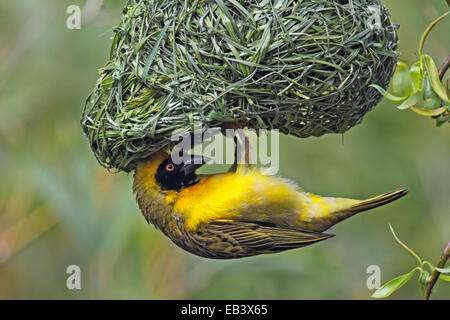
(302, 67)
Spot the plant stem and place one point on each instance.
(435, 275)
(404, 246)
(428, 30)
(443, 69)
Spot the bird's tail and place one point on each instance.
(322, 213)
(376, 201)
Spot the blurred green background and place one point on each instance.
(59, 207)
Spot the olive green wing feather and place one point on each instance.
(235, 239)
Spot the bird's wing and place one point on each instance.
(234, 239)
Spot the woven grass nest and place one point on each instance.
(302, 67)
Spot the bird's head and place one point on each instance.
(159, 172)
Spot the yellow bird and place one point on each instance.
(237, 214)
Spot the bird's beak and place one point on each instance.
(193, 164)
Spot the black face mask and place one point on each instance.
(171, 176)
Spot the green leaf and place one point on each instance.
(230, 23)
(387, 95)
(411, 101)
(140, 44)
(424, 278)
(429, 113)
(402, 82)
(391, 286)
(434, 77)
(107, 83)
(214, 115)
(154, 51)
(441, 120)
(441, 270)
(431, 100)
(415, 72)
(113, 45)
(444, 277)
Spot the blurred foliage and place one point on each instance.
(59, 207)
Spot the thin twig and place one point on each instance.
(443, 69)
(435, 275)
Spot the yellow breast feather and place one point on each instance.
(244, 196)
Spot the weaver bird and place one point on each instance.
(236, 214)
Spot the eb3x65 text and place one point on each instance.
(245, 309)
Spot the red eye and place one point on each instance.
(170, 167)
